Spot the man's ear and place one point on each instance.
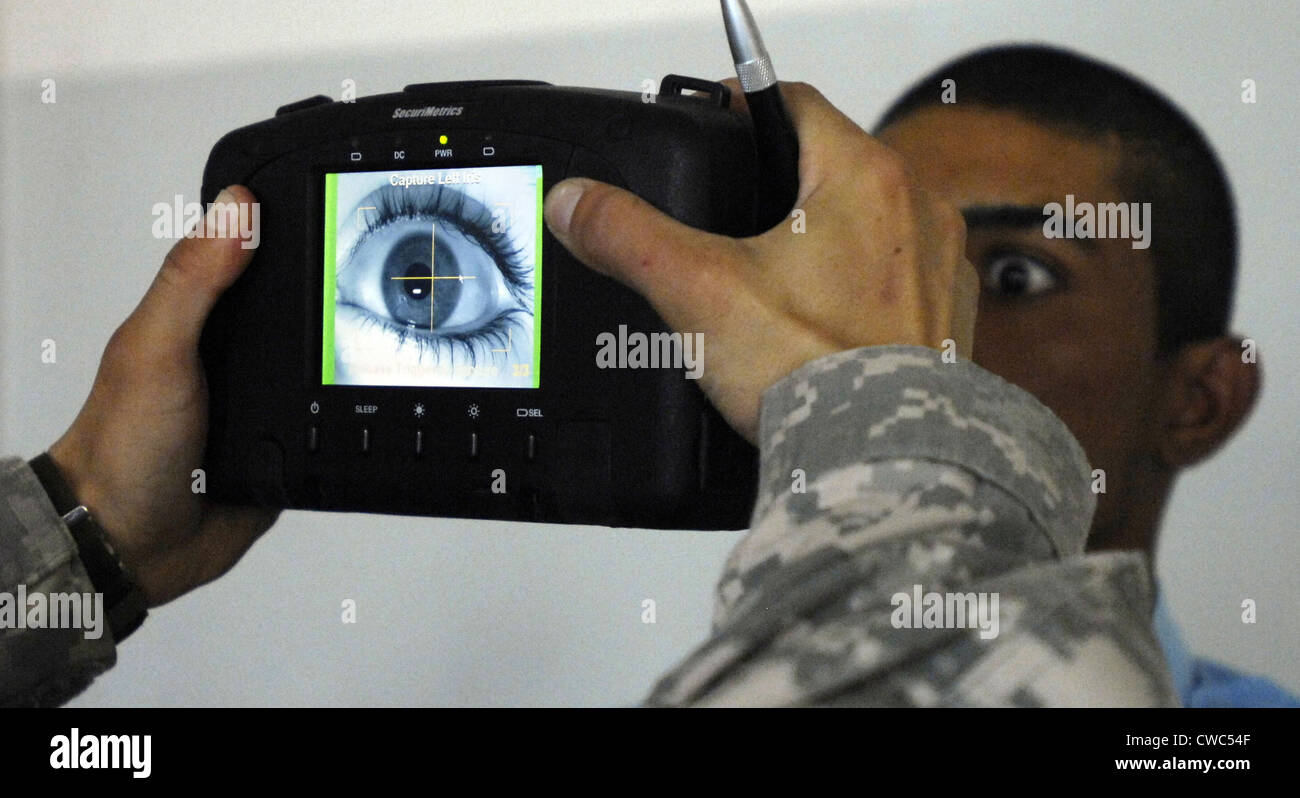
(1210, 390)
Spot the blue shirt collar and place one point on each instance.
(1181, 665)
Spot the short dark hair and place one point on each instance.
(1165, 160)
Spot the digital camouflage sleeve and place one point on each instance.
(40, 667)
(888, 476)
(918, 541)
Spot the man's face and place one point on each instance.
(1072, 321)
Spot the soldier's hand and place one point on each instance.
(881, 262)
(131, 452)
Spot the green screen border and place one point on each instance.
(327, 319)
(328, 295)
(537, 289)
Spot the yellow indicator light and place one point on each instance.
(442, 139)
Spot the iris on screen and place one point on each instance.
(434, 277)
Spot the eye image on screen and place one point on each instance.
(433, 278)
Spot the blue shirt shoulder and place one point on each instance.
(1204, 683)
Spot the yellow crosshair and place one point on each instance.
(433, 231)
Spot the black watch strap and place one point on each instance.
(125, 603)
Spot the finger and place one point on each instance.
(954, 283)
(195, 273)
(813, 115)
(679, 269)
(738, 101)
(828, 140)
(966, 308)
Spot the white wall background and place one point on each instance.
(490, 613)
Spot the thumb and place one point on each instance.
(196, 272)
(674, 266)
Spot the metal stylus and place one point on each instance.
(774, 136)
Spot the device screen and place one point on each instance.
(433, 278)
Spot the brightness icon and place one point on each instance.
(418, 410)
(473, 411)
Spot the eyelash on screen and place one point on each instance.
(495, 332)
(393, 204)
(473, 218)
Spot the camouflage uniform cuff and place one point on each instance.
(42, 666)
(904, 402)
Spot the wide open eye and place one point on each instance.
(1011, 275)
(427, 275)
(433, 270)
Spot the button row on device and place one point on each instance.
(363, 443)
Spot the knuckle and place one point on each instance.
(861, 150)
(890, 168)
(180, 265)
(119, 359)
(952, 222)
(803, 91)
(118, 344)
(121, 335)
(805, 101)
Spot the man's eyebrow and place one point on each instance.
(1015, 216)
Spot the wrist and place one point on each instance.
(125, 601)
(74, 473)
